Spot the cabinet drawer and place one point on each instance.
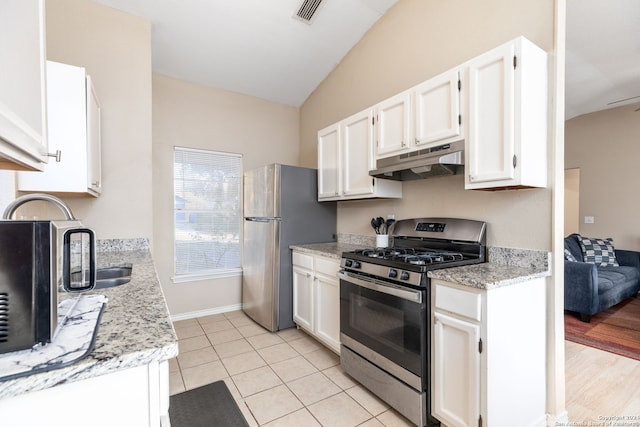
(327, 266)
(302, 260)
(458, 301)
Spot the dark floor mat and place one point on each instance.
(206, 406)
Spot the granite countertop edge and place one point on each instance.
(135, 328)
(330, 249)
(489, 275)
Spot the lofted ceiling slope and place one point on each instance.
(603, 55)
(258, 48)
(254, 47)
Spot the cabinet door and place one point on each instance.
(23, 142)
(329, 162)
(491, 143)
(303, 297)
(393, 133)
(74, 130)
(94, 155)
(437, 109)
(327, 302)
(456, 371)
(328, 313)
(129, 390)
(357, 148)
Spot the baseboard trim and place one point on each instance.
(207, 312)
(557, 420)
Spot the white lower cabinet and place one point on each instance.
(316, 297)
(456, 372)
(488, 355)
(132, 397)
(303, 295)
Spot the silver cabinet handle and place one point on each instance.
(57, 155)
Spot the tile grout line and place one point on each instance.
(242, 399)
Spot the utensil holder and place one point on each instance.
(382, 240)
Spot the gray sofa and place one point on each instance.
(590, 289)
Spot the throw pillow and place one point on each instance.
(598, 251)
(569, 256)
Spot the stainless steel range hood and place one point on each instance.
(445, 159)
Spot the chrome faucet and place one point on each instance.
(11, 208)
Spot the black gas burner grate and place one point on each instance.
(431, 258)
(385, 253)
(414, 256)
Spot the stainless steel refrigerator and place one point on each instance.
(280, 209)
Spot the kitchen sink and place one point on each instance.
(108, 277)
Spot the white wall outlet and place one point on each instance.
(589, 220)
(391, 216)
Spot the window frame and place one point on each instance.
(214, 273)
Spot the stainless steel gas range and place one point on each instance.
(385, 305)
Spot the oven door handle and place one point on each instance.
(407, 294)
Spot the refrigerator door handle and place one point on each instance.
(258, 219)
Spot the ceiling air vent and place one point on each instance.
(307, 10)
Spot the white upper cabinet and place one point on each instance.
(496, 103)
(393, 125)
(74, 131)
(329, 184)
(23, 143)
(437, 110)
(507, 136)
(357, 142)
(345, 156)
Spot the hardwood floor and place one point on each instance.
(601, 384)
(616, 330)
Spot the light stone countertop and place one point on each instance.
(135, 328)
(488, 275)
(505, 267)
(331, 249)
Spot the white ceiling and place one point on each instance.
(256, 47)
(603, 55)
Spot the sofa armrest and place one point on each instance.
(580, 287)
(628, 258)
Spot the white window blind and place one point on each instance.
(207, 213)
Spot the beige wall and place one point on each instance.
(415, 40)
(604, 145)
(571, 201)
(190, 115)
(115, 48)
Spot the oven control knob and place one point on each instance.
(356, 264)
(404, 275)
(347, 263)
(393, 273)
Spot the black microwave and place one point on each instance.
(37, 260)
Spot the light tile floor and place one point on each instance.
(278, 379)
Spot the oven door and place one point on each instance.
(388, 319)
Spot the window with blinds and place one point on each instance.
(207, 213)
